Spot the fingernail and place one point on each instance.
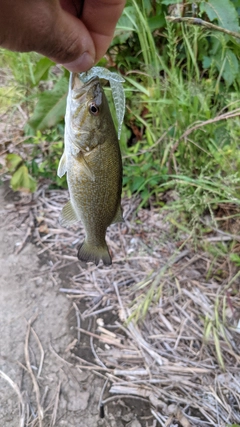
(83, 63)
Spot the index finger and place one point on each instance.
(100, 17)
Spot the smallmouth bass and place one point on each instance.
(93, 163)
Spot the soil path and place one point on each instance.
(37, 329)
(68, 397)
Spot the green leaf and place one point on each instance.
(13, 160)
(51, 107)
(21, 180)
(120, 37)
(137, 182)
(41, 69)
(138, 86)
(235, 258)
(156, 22)
(222, 10)
(168, 2)
(127, 21)
(228, 65)
(147, 6)
(207, 62)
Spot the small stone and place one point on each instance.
(78, 401)
(100, 322)
(172, 408)
(127, 417)
(38, 281)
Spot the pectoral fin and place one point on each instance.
(119, 215)
(68, 215)
(62, 167)
(87, 168)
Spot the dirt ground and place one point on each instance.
(66, 341)
(35, 318)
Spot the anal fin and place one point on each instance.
(68, 215)
(118, 216)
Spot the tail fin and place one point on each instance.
(90, 253)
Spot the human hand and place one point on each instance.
(53, 28)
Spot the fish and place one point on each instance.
(93, 164)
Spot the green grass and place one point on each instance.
(172, 96)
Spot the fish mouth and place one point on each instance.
(80, 89)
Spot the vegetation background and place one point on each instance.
(180, 139)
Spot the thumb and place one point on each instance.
(69, 42)
(46, 28)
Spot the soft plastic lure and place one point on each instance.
(118, 94)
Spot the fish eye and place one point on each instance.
(93, 109)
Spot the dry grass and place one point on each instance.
(183, 354)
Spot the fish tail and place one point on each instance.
(90, 253)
